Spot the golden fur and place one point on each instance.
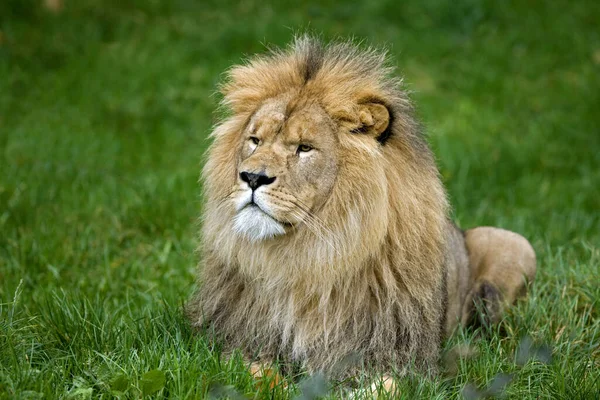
(344, 250)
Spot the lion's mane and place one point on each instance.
(369, 279)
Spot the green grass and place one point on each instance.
(104, 113)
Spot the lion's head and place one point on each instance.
(290, 155)
(316, 162)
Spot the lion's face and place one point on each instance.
(287, 166)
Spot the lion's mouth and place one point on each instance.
(253, 205)
(255, 224)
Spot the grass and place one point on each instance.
(104, 113)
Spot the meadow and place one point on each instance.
(105, 109)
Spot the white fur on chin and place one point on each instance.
(252, 223)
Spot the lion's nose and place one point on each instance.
(256, 180)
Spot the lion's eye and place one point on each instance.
(303, 148)
(254, 140)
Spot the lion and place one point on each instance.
(326, 234)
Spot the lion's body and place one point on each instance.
(346, 250)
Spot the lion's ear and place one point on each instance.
(374, 119)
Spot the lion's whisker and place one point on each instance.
(315, 219)
(316, 231)
(316, 227)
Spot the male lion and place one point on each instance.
(326, 230)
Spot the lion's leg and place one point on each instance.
(502, 264)
(385, 386)
(265, 373)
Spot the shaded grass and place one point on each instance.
(104, 111)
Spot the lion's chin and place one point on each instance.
(255, 225)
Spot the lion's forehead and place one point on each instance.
(295, 124)
(270, 111)
(306, 125)
(266, 123)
